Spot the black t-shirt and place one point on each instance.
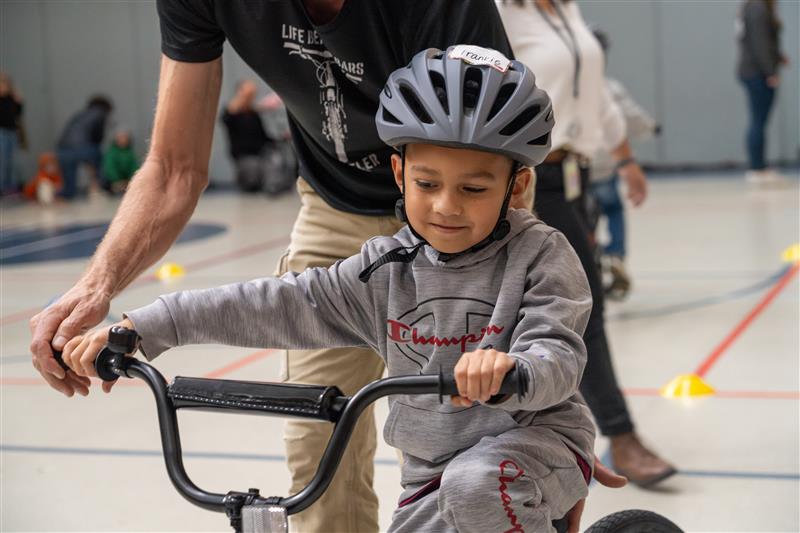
(330, 76)
(10, 110)
(245, 132)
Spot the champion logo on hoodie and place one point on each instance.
(405, 334)
(444, 323)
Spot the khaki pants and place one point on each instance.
(321, 236)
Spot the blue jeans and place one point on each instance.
(606, 194)
(8, 146)
(69, 159)
(760, 97)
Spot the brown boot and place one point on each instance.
(641, 466)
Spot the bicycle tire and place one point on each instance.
(634, 521)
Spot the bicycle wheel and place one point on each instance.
(634, 521)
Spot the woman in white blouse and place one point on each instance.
(551, 37)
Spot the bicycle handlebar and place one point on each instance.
(112, 362)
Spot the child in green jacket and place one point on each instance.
(119, 162)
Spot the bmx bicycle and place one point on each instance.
(250, 512)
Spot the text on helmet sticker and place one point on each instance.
(477, 55)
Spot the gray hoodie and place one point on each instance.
(525, 295)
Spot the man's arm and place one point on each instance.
(158, 203)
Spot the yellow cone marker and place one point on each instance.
(169, 271)
(686, 386)
(791, 254)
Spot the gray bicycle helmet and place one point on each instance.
(441, 98)
(467, 97)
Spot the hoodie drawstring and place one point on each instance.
(401, 254)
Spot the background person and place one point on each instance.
(80, 143)
(604, 186)
(10, 115)
(759, 63)
(47, 182)
(120, 162)
(551, 37)
(256, 157)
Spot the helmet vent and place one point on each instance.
(523, 118)
(415, 105)
(439, 87)
(388, 117)
(473, 79)
(503, 95)
(540, 141)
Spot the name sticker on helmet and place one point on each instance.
(477, 55)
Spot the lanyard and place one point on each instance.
(571, 44)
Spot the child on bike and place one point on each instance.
(468, 285)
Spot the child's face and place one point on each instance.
(453, 196)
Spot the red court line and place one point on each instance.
(150, 278)
(227, 369)
(706, 365)
(21, 315)
(253, 357)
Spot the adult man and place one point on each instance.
(327, 60)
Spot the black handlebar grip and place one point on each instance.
(516, 381)
(105, 363)
(60, 360)
(121, 341)
(110, 362)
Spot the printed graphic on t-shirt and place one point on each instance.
(417, 333)
(307, 44)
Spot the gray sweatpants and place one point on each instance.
(519, 481)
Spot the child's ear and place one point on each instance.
(397, 170)
(522, 194)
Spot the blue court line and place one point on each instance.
(744, 475)
(156, 453)
(703, 302)
(387, 462)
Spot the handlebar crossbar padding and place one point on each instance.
(306, 401)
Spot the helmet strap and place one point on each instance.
(400, 205)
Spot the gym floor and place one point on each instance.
(713, 295)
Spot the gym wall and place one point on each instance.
(676, 58)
